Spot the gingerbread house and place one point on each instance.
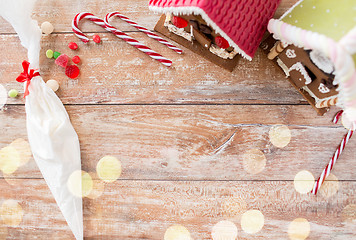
(218, 30)
(315, 44)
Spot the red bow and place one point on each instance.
(26, 76)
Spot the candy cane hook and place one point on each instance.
(145, 30)
(90, 17)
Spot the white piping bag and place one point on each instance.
(53, 140)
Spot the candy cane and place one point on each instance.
(118, 33)
(145, 30)
(88, 16)
(137, 44)
(332, 162)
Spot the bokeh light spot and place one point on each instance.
(304, 182)
(9, 159)
(299, 229)
(346, 121)
(98, 187)
(23, 149)
(108, 169)
(77, 189)
(177, 232)
(280, 135)
(252, 221)
(254, 161)
(224, 230)
(330, 186)
(11, 213)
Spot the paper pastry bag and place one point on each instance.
(54, 142)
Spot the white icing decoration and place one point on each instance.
(290, 53)
(189, 36)
(176, 30)
(300, 68)
(323, 89)
(283, 66)
(222, 52)
(321, 61)
(207, 19)
(315, 97)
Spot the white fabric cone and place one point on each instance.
(53, 140)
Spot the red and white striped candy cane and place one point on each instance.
(137, 44)
(118, 33)
(88, 16)
(333, 160)
(145, 30)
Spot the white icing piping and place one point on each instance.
(298, 66)
(199, 11)
(315, 97)
(283, 66)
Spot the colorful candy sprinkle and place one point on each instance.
(96, 38)
(72, 71)
(222, 42)
(47, 27)
(53, 84)
(76, 59)
(13, 93)
(62, 60)
(56, 54)
(73, 45)
(49, 53)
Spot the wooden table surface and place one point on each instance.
(184, 136)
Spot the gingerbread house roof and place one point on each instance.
(328, 27)
(241, 22)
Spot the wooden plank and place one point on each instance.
(196, 142)
(145, 209)
(61, 13)
(126, 75)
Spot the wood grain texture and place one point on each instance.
(145, 209)
(196, 142)
(126, 75)
(180, 134)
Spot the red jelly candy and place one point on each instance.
(221, 42)
(72, 71)
(76, 59)
(72, 45)
(96, 38)
(62, 60)
(179, 22)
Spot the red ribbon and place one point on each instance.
(26, 76)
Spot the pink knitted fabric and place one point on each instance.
(243, 21)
